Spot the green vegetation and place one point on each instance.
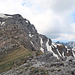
(16, 58)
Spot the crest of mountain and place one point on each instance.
(26, 52)
(16, 30)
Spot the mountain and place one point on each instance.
(20, 41)
(69, 44)
(15, 30)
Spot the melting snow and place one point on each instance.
(3, 23)
(30, 35)
(68, 49)
(59, 44)
(42, 49)
(4, 16)
(26, 21)
(65, 46)
(50, 49)
(58, 52)
(63, 54)
(54, 45)
(41, 42)
(73, 53)
(32, 43)
(73, 48)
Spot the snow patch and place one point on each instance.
(50, 49)
(67, 51)
(63, 54)
(65, 46)
(2, 23)
(32, 43)
(41, 42)
(73, 53)
(73, 48)
(30, 35)
(26, 21)
(54, 45)
(4, 16)
(59, 44)
(42, 49)
(58, 52)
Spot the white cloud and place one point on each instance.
(65, 37)
(56, 5)
(50, 17)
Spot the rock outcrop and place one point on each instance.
(16, 30)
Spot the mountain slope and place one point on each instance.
(18, 36)
(15, 30)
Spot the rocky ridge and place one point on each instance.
(16, 32)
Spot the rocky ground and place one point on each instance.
(19, 44)
(41, 66)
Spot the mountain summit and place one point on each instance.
(23, 51)
(16, 30)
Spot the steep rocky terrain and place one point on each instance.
(19, 38)
(15, 31)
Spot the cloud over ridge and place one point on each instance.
(53, 18)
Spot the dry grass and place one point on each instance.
(21, 54)
(7, 61)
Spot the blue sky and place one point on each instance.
(53, 18)
(73, 15)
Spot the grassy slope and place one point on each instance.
(18, 56)
(7, 61)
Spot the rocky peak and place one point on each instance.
(16, 30)
(21, 44)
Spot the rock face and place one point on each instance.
(16, 31)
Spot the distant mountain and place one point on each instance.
(20, 41)
(69, 44)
